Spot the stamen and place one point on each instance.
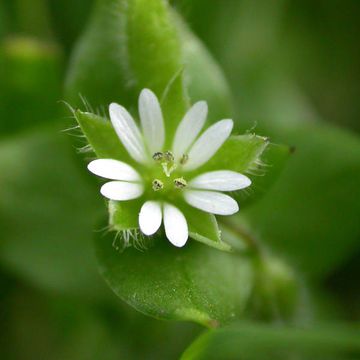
(158, 156)
(180, 183)
(184, 159)
(168, 156)
(157, 185)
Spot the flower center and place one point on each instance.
(167, 162)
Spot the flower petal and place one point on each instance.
(208, 144)
(212, 202)
(128, 132)
(150, 217)
(121, 190)
(176, 228)
(189, 128)
(222, 180)
(113, 169)
(151, 120)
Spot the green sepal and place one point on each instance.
(264, 173)
(239, 153)
(124, 215)
(203, 227)
(102, 137)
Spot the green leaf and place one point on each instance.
(97, 64)
(48, 214)
(195, 283)
(153, 46)
(204, 77)
(134, 61)
(257, 341)
(74, 14)
(75, 329)
(313, 208)
(174, 105)
(128, 45)
(134, 44)
(30, 84)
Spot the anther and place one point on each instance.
(180, 183)
(157, 184)
(158, 156)
(168, 156)
(184, 159)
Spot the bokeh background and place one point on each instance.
(293, 69)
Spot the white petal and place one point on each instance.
(121, 190)
(151, 120)
(212, 202)
(150, 217)
(208, 144)
(128, 132)
(222, 180)
(113, 169)
(189, 128)
(176, 228)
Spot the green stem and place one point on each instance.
(252, 243)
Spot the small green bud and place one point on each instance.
(158, 156)
(180, 183)
(157, 185)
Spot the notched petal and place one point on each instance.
(113, 169)
(150, 217)
(128, 132)
(176, 228)
(211, 201)
(121, 190)
(208, 144)
(221, 180)
(189, 128)
(151, 120)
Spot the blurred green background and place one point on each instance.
(293, 69)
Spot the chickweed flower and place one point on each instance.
(163, 177)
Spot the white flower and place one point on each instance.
(164, 173)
